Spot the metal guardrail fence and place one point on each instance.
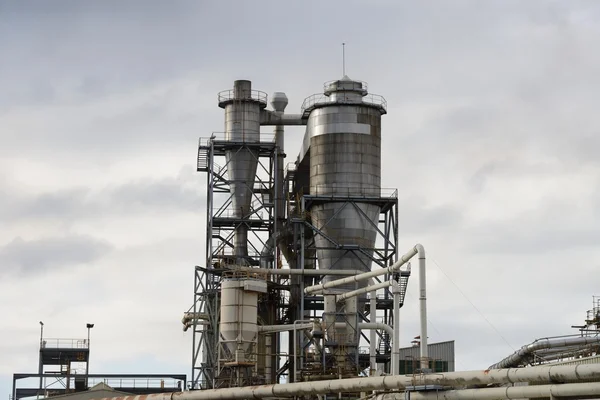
(54, 343)
(354, 191)
(137, 383)
(267, 137)
(320, 99)
(228, 95)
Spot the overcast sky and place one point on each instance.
(492, 136)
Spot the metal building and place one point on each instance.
(441, 358)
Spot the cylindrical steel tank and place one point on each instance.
(242, 125)
(238, 330)
(345, 161)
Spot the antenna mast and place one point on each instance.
(344, 59)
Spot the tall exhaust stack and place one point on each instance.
(242, 125)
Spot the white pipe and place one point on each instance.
(307, 272)
(303, 326)
(511, 392)
(372, 333)
(268, 359)
(282, 328)
(543, 374)
(364, 276)
(396, 337)
(423, 305)
(358, 292)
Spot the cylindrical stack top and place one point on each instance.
(242, 91)
(346, 85)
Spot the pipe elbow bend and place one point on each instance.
(420, 249)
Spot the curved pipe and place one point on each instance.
(544, 374)
(364, 276)
(520, 356)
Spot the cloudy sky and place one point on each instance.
(492, 137)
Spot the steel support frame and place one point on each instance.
(220, 228)
(383, 254)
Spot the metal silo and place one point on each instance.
(343, 141)
(242, 125)
(344, 130)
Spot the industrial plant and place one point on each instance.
(303, 282)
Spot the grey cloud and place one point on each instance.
(140, 196)
(416, 219)
(555, 225)
(25, 257)
(531, 237)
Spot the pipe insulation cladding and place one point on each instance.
(543, 374)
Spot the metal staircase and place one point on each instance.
(384, 344)
(202, 159)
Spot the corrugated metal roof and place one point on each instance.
(443, 351)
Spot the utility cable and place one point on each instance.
(470, 302)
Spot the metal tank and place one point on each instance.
(238, 332)
(343, 142)
(242, 125)
(344, 137)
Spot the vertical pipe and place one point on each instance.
(268, 359)
(302, 262)
(41, 365)
(372, 333)
(396, 339)
(423, 305)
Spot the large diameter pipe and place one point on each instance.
(361, 325)
(396, 338)
(268, 117)
(511, 392)
(364, 276)
(307, 272)
(521, 355)
(423, 305)
(372, 333)
(543, 374)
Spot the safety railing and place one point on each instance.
(228, 251)
(64, 343)
(257, 215)
(354, 191)
(320, 99)
(256, 95)
(246, 274)
(138, 383)
(250, 137)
